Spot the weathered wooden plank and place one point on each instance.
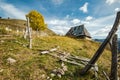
(114, 68)
(30, 38)
(106, 76)
(103, 45)
(28, 33)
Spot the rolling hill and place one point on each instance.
(20, 25)
(30, 64)
(18, 62)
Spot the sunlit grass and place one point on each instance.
(31, 65)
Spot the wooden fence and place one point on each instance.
(111, 36)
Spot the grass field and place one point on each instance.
(30, 65)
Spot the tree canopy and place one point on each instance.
(36, 20)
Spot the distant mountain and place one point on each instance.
(101, 40)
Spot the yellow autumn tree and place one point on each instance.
(36, 20)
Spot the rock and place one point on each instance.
(44, 52)
(11, 60)
(58, 47)
(11, 49)
(62, 64)
(60, 71)
(48, 78)
(24, 45)
(16, 41)
(17, 31)
(2, 41)
(43, 76)
(1, 70)
(59, 75)
(54, 49)
(54, 71)
(52, 74)
(65, 68)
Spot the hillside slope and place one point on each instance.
(18, 62)
(31, 65)
(20, 25)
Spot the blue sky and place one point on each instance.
(97, 15)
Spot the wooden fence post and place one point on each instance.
(28, 33)
(114, 67)
(30, 38)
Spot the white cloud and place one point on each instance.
(117, 9)
(112, 1)
(103, 31)
(11, 11)
(103, 21)
(75, 21)
(88, 18)
(60, 29)
(57, 22)
(98, 28)
(59, 26)
(57, 2)
(84, 8)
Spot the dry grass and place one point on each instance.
(31, 65)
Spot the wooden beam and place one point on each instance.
(114, 67)
(106, 76)
(103, 45)
(29, 33)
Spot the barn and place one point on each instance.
(78, 32)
